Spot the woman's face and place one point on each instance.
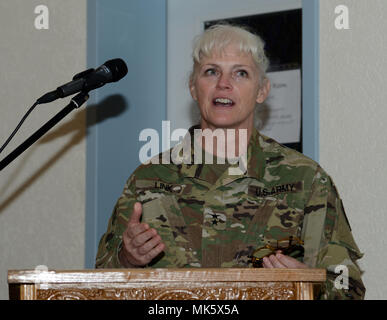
(226, 87)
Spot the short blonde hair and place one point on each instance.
(219, 36)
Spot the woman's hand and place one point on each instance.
(280, 260)
(141, 244)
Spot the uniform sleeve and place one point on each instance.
(329, 243)
(111, 242)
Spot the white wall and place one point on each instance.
(353, 144)
(42, 193)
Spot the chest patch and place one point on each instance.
(275, 190)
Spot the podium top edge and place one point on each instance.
(168, 275)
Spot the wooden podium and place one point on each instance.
(166, 284)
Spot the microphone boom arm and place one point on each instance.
(75, 103)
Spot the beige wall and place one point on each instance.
(42, 193)
(353, 144)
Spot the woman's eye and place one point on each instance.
(242, 73)
(210, 72)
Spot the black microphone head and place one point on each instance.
(118, 68)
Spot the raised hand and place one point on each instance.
(141, 244)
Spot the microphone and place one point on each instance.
(111, 71)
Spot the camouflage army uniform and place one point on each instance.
(208, 218)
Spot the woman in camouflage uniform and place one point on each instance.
(193, 214)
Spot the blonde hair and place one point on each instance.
(219, 36)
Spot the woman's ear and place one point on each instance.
(263, 91)
(192, 89)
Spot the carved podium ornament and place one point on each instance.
(166, 284)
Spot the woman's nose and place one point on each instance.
(224, 81)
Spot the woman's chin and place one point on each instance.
(225, 123)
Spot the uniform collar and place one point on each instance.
(255, 161)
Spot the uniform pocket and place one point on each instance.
(283, 223)
(251, 217)
(164, 214)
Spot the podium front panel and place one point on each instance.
(166, 284)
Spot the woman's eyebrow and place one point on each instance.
(210, 65)
(233, 66)
(242, 66)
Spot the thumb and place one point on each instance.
(136, 213)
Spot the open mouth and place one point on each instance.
(223, 102)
